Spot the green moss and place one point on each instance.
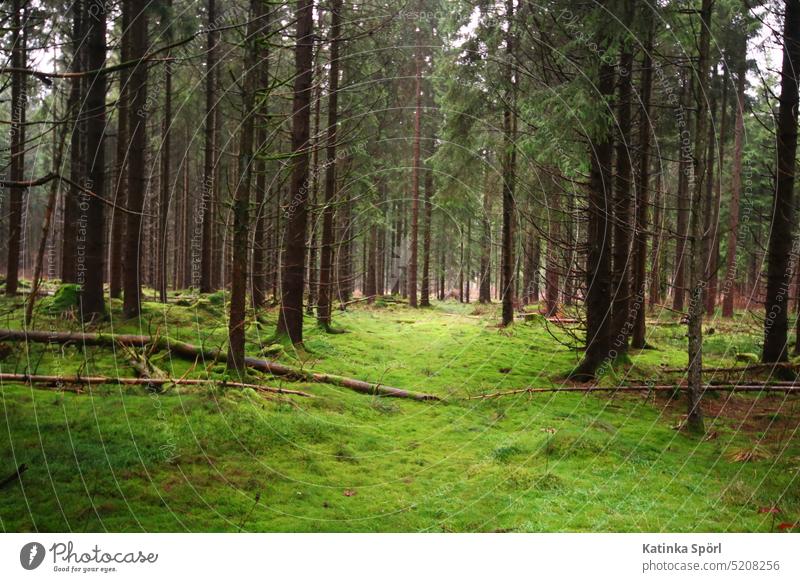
(120, 459)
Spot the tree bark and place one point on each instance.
(621, 271)
(92, 301)
(326, 254)
(121, 187)
(694, 421)
(137, 172)
(646, 125)
(509, 161)
(780, 250)
(598, 268)
(207, 203)
(19, 103)
(290, 321)
(729, 287)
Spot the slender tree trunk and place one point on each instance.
(598, 267)
(415, 172)
(166, 167)
(259, 274)
(326, 255)
(694, 420)
(684, 168)
(76, 170)
(92, 302)
(19, 103)
(121, 187)
(509, 159)
(656, 251)
(207, 202)
(713, 277)
(781, 251)
(241, 200)
(729, 287)
(621, 271)
(485, 289)
(646, 125)
(426, 240)
(552, 267)
(290, 321)
(137, 171)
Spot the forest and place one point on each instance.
(415, 266)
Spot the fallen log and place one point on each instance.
(15, 476)
(192, 352)
(738, 369)
(64, 381)
(666, 388)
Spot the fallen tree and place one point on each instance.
(788, 388)
(194, 353)
(70, 383)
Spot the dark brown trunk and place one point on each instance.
(241, 199)
(207, 202)
(120, 197)
(290, 321)
(642, 200)
(509, 160)
(694, 421)
(598, 267)
(19, 103)
(621, 271)
(729, 286)
(92, 301)
(781, 252)
(326, 252)
(137, 172)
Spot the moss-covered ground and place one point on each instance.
(205, 458)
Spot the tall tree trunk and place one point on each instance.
(207, 202)
(509, 160)
(485, 288)
(137, 172)
(166, 166)
(552, 267)
(259, 273)
(779, 268)
(120, 197)
(694, 421)
(326, 255)
(713, 276)
(621, 270)
(729, 287)
(19, 103)
(415, 172)
(684, 168)
(425, 290)
(290, 321)
(598, 267)
(241, 200)
(656, 251)
(92, 302)
(71, 202)
(646, 125)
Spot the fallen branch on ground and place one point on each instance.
(15, 476)
(67, 382)
(737, 369)
(192, 352)
(667, 388)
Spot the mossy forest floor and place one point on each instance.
(204, 458)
